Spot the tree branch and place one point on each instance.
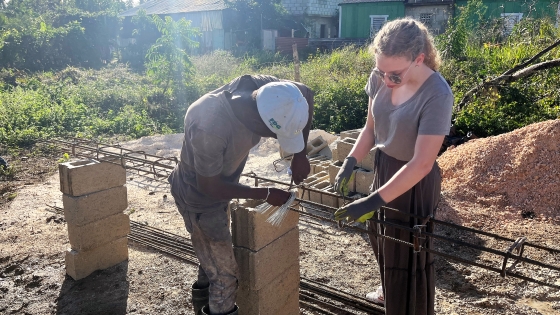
(520, 71)
(535, 57)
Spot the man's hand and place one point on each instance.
(277, 197)
(361, 209)
(344, 175)
(300, 167)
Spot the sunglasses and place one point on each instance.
(395, 78)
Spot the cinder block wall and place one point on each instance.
(268, 259)
(94, 197)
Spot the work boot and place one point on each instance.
(206, 311)
(199, 297)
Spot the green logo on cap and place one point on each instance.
(274, 124)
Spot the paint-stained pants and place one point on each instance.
(211, 239)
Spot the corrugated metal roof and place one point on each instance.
(362, 1)
(176, 6)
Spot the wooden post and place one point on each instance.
(296, 63)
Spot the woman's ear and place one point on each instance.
(420, 59)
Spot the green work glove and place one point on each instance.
(361, 209)
(345, 175)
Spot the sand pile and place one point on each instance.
(517, 171)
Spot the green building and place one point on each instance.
(359, 18)
(363, 18)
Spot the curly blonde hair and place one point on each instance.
(406, 38)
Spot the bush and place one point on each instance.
(76, 102)
(474, 54)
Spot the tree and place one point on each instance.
(167, 60)
(252, 16)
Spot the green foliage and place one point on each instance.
(142, 34)
(49, 35)
(169, 67)
(168, 63)
(76, 102)
(338, 80)
(483, 52)
(65, 158)
(453, 42)
(251, 16)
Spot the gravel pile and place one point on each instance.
(518, 171)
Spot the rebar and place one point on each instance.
(161, 167)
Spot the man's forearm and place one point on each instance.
(225, 190)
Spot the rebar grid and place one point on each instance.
(161, 167)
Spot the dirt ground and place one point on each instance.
(33, 239)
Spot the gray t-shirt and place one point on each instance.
(427, 112)
(215, 143)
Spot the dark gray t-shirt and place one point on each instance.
(215, 143)
(427, 112)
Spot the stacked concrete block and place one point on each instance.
(322, 166)
(364, 179)
(354, 133)
(333, 170)
(316, 145)
(344, 147)
(268, 259)
(369, 160)
(313, 147)
(328, 200)
(310, 181)
(315, 196)
(94, 197)
(316, 163)
(334, 151)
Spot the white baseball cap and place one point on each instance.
(285, 111)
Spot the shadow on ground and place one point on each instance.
(102, 292)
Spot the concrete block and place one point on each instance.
(334, 151)
(322, 166)
(364, 179)
(316, 145)
(80, 264)
(280, 296)
(258, 268)
(303, 194)
(99, 232)
(314, 177)
(318, 180)
(316, 196)
(87, 176)
(250, 229)
(95, 206)
(369, 160)
(354, 133)
(291, 306)
(344, 147)
(317, 158)
(330, 201)
(333, 170)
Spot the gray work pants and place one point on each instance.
(211, 239)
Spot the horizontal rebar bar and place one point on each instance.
(158, 244)
(156, 168)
